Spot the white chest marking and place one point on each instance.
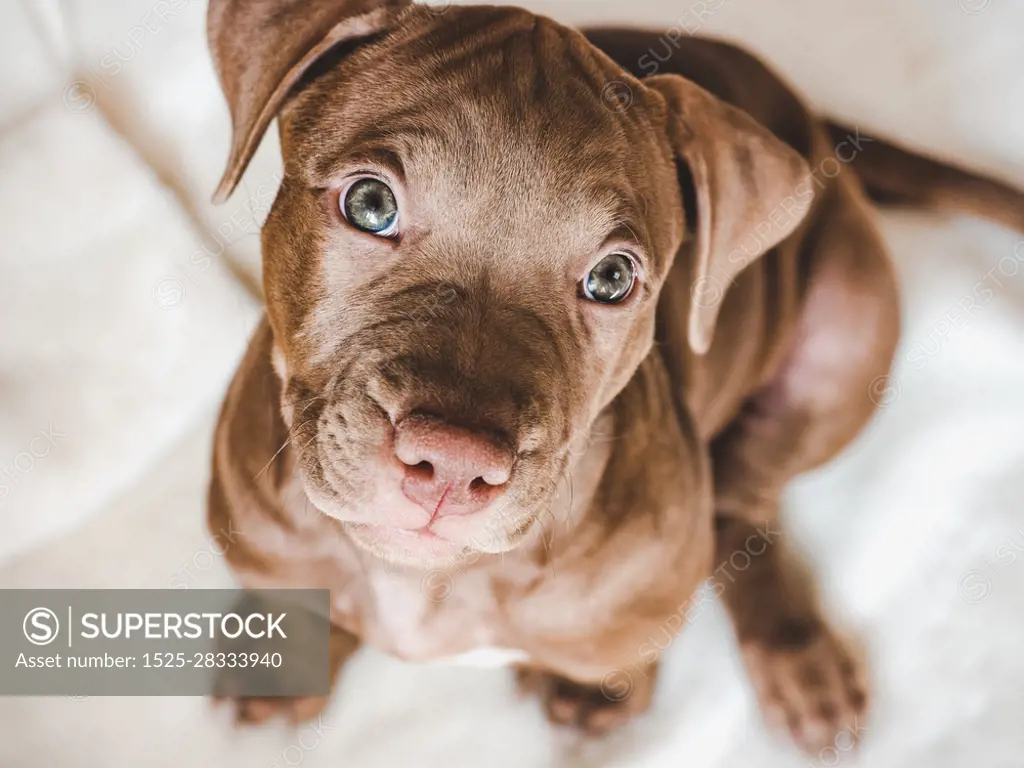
(408, 625)
(487, 658)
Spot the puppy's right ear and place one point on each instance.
(741, 174)
(262, 47)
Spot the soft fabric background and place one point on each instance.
(119, 338)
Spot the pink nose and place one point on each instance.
(450, 470)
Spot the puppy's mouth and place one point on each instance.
(421, 492)
(427, 548)
(388, 525)
(422, 547)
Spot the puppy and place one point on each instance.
(545, 340)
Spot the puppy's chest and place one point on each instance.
(440, 617)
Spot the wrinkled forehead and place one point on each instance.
(485, 111)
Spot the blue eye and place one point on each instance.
(369, 205)
(611, 280)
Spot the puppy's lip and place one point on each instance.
(406, 544)
(423, 534)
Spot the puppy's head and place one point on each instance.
(477, 214)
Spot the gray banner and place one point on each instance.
(150, 642)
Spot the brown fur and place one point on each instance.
(653, 439)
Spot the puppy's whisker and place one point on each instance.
(302, 425)
(545, 542)
(305, 509)
(307, 402)
(276, 454)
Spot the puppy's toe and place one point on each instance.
(255, 710)
(589, 708)
(814, 690)
(530, 681)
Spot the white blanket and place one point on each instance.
(126, 300)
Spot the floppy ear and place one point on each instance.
(262, 47)
(741, 175)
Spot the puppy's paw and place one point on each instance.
(297, 688)
(230, 683)
(254, 710)
(595, 709)
(810, 684)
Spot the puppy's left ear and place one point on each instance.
(261, 48)
(741, 173)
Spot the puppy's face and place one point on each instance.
(461, 270)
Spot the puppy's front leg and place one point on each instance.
(806, 679)
(264, 538)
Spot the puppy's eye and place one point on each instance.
(611, 280)
(369, 205)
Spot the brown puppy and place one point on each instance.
(544, 343)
